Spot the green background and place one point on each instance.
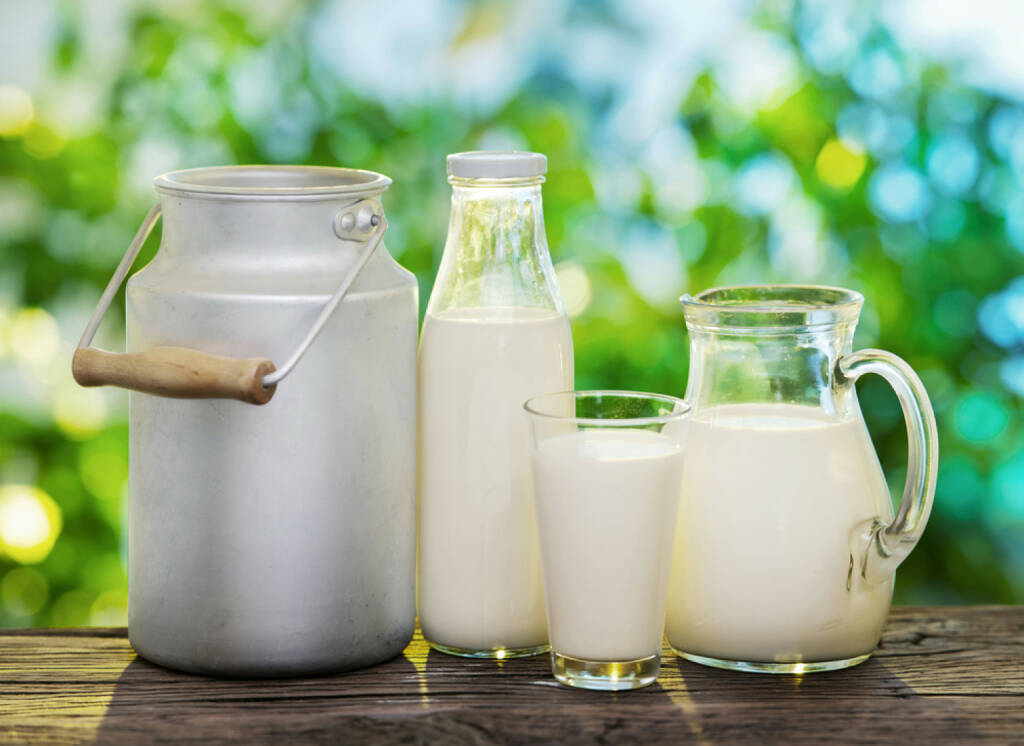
(855, 163)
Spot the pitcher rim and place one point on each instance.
(321, 182)
(850, 297)
(781, 307)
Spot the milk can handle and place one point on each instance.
(190, 374)
(883, 547)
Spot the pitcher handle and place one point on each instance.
(182, 373)
(883, 547)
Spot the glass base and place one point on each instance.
(608, 676)
(790, 668)
(498, 654)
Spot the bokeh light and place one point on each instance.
(24, 591)
(961, 489)
(899, 193)
(871, 127)
(981, 416)
(877, 74)
(109, 609)
(79, 412)
(30, 523)
(840, 165)
(71, 609)
(953, 163)
(575, 287)
(16, 111)
(763, 183)
(1001, 315)
(1008, 488)
(1015, 221)
(33, 336)
(1011, 372)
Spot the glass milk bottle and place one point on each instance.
(495, 334)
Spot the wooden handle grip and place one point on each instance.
(176, 372)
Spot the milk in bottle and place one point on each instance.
(495, 334)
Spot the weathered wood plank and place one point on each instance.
(941, 674)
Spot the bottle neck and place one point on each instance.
(496, 253)
(496, 224)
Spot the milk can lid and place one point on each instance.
(497, 164)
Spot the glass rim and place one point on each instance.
(530, 406)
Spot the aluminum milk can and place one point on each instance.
(272, 523)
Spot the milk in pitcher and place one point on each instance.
(762, 569)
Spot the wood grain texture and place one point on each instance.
(940, 675)
(176, 372)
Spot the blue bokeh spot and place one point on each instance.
(953, 164)
(981, 416)
(898, 193)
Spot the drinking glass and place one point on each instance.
(607, 469)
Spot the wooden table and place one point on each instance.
(940, 675)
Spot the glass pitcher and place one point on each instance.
(786, 545)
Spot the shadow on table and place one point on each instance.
(151, 703)
(426, 696)
(420, 697)
(519, 701)
(865, 703)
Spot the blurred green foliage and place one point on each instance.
(799, 187)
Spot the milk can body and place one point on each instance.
(495, 334)
(277, 539)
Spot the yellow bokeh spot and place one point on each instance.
(575, 287)
(110, 609)
(33, 336)
(840, 164)
(103, 464)
(24, 590)
(16, 110)
(5, 324)
(30, 523)
(71, 609)
(42, 141)
(79, 412)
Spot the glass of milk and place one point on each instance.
(495, 333)
(787, 541)
(607, 467)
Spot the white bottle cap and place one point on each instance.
(497, 164)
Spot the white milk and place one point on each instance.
(606, 504)
(771, 494)
(479, 567)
